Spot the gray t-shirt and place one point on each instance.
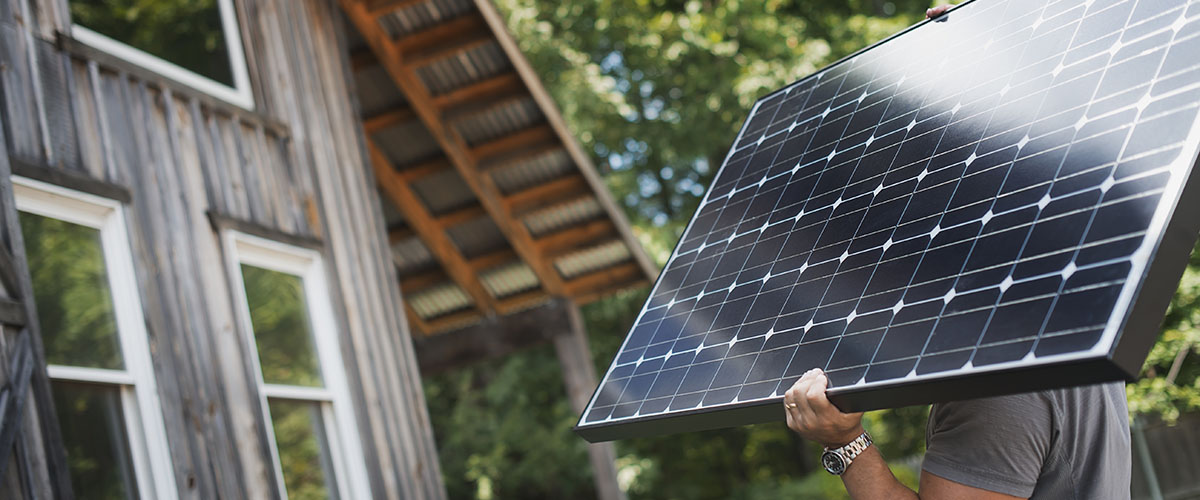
(1058, 445)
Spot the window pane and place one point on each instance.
(185, 32)
(279, 316)
(93, 432)
(303, 449)
(70, 287)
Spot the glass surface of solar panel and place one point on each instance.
(987, 194)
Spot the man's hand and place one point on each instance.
(936, 11)
(811, 414)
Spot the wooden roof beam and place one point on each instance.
(452, 320)
(599, 279)
(504, 83)
(424, 169)
(449, 50)
(378, 8)
(444, 34)
(389, 118)
(422, 280)
(492, 259)
(558, 243)
(454, 146)
(431, 233)
(516, 302)
(460, 215)
(546, 194)
(521, 139)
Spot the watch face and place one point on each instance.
(833, 463)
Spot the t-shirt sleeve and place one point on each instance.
(997, 444)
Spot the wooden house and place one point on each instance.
(234, 233)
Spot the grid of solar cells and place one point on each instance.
(973, 192)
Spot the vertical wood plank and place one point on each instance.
(579, 377)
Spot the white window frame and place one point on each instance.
(341, 426)
(151, 455)
(239, 94)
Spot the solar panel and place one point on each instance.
(997, 201)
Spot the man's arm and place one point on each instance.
(810, 413)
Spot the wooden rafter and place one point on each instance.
(378, 8)
(443, 34)
(453, 144)
(424, 169)
(559, 242)
(451, 49)
(549, 193)
(513, 303)
(492, 259)
(452, 320)
(422, 280)
(418, 218)
(526, 138)
(460, 215)
(502, 84)
(389, 118)
(602, 278)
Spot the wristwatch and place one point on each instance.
(836, 461)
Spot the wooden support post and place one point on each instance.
(579, 375)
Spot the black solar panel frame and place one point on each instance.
(1136, 333)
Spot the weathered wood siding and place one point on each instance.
(295, 165)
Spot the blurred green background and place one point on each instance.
(656, 90)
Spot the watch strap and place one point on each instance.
(854, 448)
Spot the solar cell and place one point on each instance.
(994, 202)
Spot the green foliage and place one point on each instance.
(70, 288)
(1170, 383)
(504, 430)
(282, 333)
(302, 455)
(185, 32)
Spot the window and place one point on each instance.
(193, 41)
(95, 344)
(285, 310)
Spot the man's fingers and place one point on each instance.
(817, 398)
(936, 11)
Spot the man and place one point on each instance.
(1058, 445)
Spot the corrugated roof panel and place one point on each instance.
(376, 91)
(507, 117)
(537, 170)
(477, 237)
(468, 67)
(592, 259)
(418, 17)
(563, 215)
(406, 143)
(410, 254)
(438, 300)
(509, 279)
(443, 191)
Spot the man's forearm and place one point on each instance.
(869, 478)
